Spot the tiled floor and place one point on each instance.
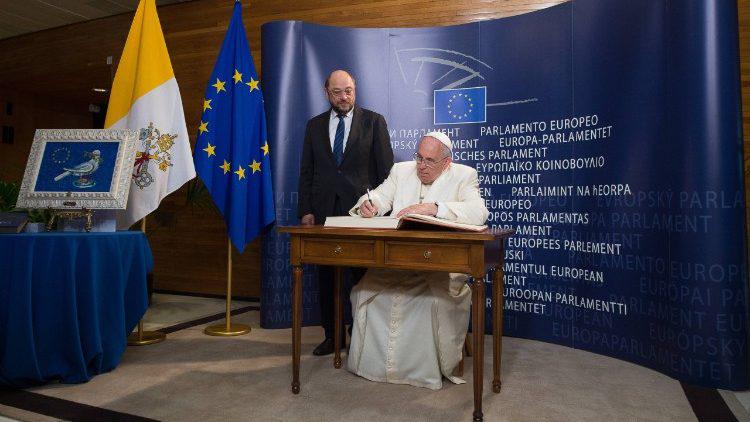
(738, 397)
(167, 309)
(744, 398)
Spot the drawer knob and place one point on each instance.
(427, 255)
(338, 249)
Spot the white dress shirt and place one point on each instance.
(333, 123)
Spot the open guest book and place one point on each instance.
(415, 221)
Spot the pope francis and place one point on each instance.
(409, 326)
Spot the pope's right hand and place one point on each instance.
(367, 209)
(307, 220)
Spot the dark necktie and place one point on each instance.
(338, 140)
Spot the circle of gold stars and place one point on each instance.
(61, 155)
(460, 116)
(210, 150)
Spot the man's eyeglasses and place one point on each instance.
(337, 92)
(428, 162)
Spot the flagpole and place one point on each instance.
(228, 329)
(141, 337)
(232, 160)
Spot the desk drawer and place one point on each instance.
(437, 256)
(317, 250)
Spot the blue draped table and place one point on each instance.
(68, 302)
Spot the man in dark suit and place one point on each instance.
(347, 150)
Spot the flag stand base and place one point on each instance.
(222, 330)
(144, 338)
(228, 329)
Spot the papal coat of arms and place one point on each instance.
(154, 152)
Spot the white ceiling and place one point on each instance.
(23, 16)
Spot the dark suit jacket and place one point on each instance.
(368, 158)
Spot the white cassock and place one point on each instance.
(409, 326)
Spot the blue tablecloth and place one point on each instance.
(68, 302)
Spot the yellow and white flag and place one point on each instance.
(145, 97)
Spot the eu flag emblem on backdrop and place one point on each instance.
(231, 153)
(464, 105)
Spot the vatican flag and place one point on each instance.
(145, 97)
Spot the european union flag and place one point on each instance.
(464, 105)
(231, 153)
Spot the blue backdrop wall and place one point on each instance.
(608, 133)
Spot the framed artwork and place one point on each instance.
(78, 168)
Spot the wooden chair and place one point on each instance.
(466, 352)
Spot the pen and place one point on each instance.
(368, 196)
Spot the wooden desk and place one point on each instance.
(457, 252)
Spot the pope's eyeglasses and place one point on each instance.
(428, 162)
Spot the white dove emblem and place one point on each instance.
(84, 169)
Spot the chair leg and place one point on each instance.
(465, 351)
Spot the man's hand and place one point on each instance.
(307, 220)
(367, 209)
(424, 209)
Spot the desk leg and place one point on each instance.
(497, 325)
(296, 325)
(338, 316)
(477, 326)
